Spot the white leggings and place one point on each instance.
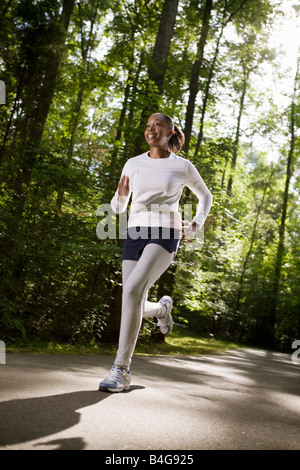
(138, 277)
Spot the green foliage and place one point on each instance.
(74, 112)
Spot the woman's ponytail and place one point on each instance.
(177, 140)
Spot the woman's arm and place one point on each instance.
(196, 184)
(121, 198)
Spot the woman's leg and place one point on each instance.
(152, 309)
(128, 266)
(149, 309)
(154, 261)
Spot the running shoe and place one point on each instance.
(117, 380)
(165, 323)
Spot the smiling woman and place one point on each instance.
(161, 133)
(155, 181)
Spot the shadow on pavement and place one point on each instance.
(32, 418)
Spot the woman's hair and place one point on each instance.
(177, 140)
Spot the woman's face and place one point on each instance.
(158, 132)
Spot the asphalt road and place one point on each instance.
(244, 399)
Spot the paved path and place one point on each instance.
(244, 399)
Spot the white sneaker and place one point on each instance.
(117, 380)
(166, 322)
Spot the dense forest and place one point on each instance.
(81, 79)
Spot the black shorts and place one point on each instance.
(138, 237)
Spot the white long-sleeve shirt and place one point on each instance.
(156, 186)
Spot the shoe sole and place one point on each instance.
(114, 390)
(170, 328)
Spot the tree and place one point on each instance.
(87, 46)
(158, 64)
(227, 17)
(268, 185)
(194, 82)
(282, 226)
(250, 55)
(36, 88)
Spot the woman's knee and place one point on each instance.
(134, 291)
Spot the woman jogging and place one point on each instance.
(155, 181)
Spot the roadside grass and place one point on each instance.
(180, 342)
(183, 342)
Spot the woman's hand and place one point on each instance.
(123, 186)
(188, 230)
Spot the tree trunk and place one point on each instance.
(85, 51)
(39, 112)
(206, 94)
(30, 131)
(9, 123)
(130, 144)
(110, 334)
(194, 83)
(4, 9)
(120, 126)
(211, 71)
(238, 130)
(246, 259)
(158, 65)
(280, 248)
